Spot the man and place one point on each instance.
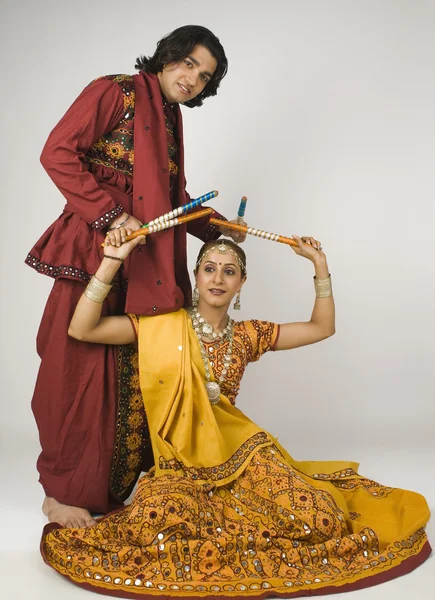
(117, 157)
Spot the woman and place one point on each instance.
(117, 156)
(227, 512)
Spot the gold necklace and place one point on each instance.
(213, 387)
(199, 323)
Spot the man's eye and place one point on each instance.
(204, 78)
(188, 63)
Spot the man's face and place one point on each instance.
(183, 81)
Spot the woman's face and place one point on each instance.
(218, 279)
(183, 81)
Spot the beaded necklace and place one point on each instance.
(199, 322)
(201, 328)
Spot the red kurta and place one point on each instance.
(96, 193)
(109, 153)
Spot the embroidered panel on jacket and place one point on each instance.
(116, 148)
(171, 121)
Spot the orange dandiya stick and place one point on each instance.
(167, 224)
(274, 237)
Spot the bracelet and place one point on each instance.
(120, 224)
(113, 257)
(323, 287)
(97, 290)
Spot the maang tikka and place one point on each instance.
(222, 248)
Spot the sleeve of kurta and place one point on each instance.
(95, 112)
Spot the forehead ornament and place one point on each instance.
(222, 248)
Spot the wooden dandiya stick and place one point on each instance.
(169, 223)
(274, 237)
(241, 211)
(182, 209)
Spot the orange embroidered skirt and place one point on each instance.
(274, 531)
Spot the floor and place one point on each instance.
(24, 576)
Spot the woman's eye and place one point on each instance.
(229, 272)
(208, 269)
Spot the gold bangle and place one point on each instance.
(323, 287)
(97, 290)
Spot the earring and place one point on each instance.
(237, 304)
(195, 297)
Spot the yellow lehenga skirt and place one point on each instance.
(250, 523)
(273, 532)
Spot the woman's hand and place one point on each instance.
(116, 245)
(308, 247)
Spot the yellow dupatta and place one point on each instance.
(211, 444)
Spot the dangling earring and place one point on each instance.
(195, 297)
(237, 304)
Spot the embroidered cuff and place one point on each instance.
(107, 217)
(212, 232)
(67, 272)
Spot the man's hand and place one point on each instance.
(132, 223)
(237, 236)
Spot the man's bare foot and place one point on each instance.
(67, 516)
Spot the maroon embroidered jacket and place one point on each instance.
(129, 177)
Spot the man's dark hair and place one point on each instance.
(175, 46)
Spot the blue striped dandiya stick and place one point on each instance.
(182, 209)
(169, 223)
(242, 208)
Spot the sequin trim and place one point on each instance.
(66, 271)
(107, 217)
(55, 272)
(226, 469)
(372, 487)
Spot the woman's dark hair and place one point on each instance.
(175, 46)
(230, 244)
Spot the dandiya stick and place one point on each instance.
(274, 237)
(169, 223)
(241, 211)
(182, 209)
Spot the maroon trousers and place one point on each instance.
(75, 404)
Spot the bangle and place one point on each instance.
(97, 290)
(113, 257)
(120, 224)
(323, 287)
